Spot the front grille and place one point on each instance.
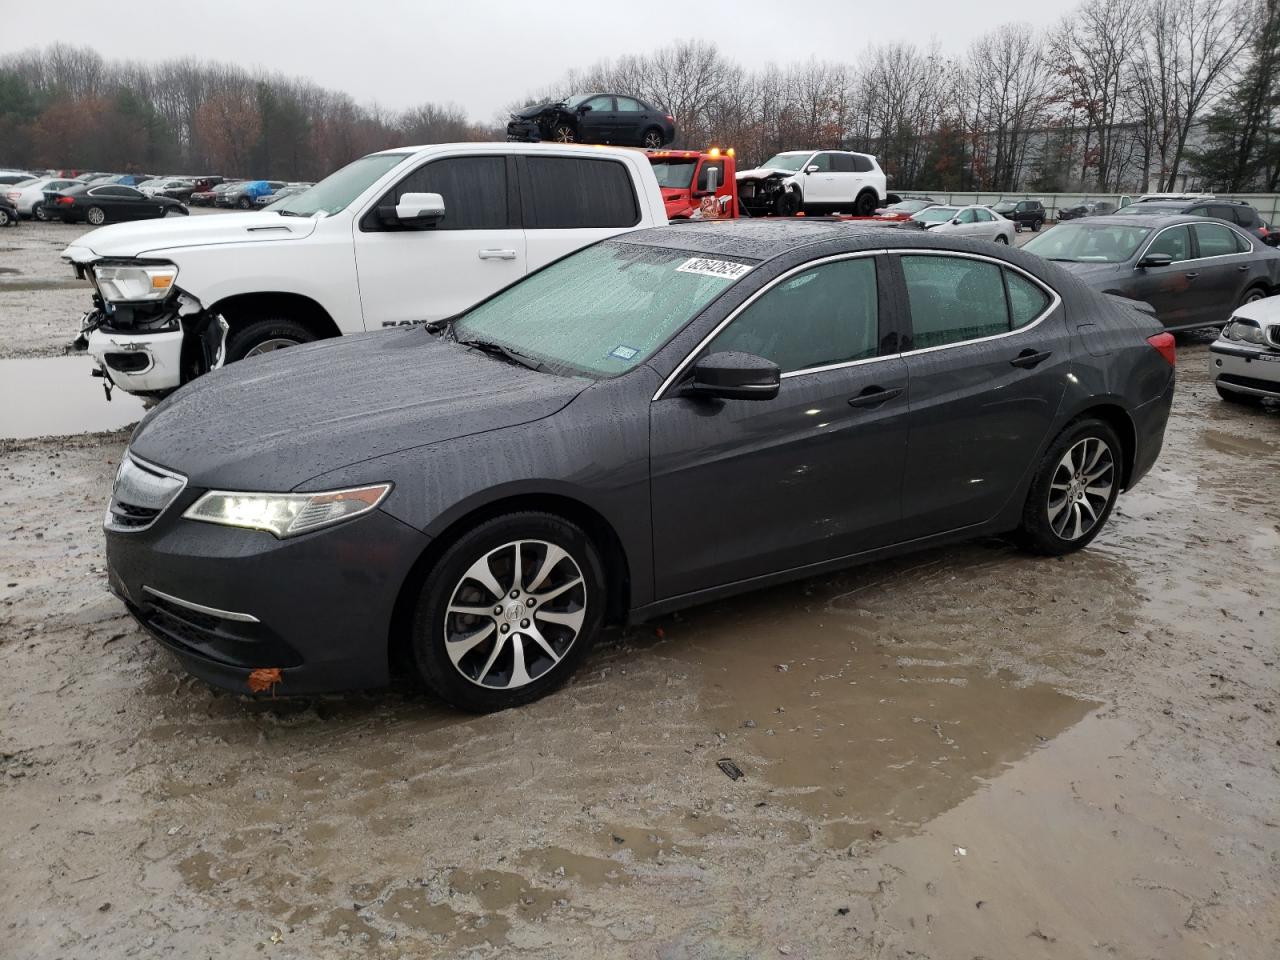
(1273, 334)
(141, 493)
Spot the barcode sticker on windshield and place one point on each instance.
(726, 269)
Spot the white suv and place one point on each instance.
(815, 181)
(402, 236)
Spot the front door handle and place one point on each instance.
(874, 396)
(1191, 276)
(1029, 358)
(497, 254)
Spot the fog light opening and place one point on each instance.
(265, 679)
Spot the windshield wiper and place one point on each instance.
(499, 350)
(290, 213)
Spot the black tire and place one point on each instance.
(5, 219)
(1241, 399)
(243, 341)
(95, 216)
(1253, 295)
(564, 133)
(865, 204)
(244, 203)
(38, 212)
(788, 204)
(651, 139)
(1037, 533)
(1000, 238)
(431, 620)
(1035, 226)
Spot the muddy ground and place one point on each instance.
(964, 753)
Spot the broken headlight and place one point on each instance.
(130, 283)
(285, 514)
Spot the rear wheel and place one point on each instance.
(865, 205)
(1074, 489)
(508, 611)
(1253, 295)
(1001, 238)
(266, 336)
(96, 216)
(245, 203)
(38, 212)
(1035, 225)
(4, 217)
(1242, 399)
(652, 139)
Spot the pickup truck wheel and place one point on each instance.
(265, 336)
(96, 216)
(1035, 226)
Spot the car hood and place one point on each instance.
(275, 421)
(760, 173)
(528, 113)
(1264, 312)
(142, 237)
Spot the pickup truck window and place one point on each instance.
(569, 192)
(335, 192)
(474, 191)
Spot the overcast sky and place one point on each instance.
(482, 54)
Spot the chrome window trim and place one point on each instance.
(201, 608)
(1218, 256)
(733, 315)
(1055, 300)
(154, 468)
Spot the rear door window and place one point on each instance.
(627, 105)
(1026, 299)
(955, 299)
(861, 164)
(841, 163)
(1215, 240)
(825, 315)
(566, 192)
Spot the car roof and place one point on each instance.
(1151, 222)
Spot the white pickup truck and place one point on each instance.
(402, 236)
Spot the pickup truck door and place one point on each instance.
(409, 275)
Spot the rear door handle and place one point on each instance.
(1243, 267)
(1030, 358)
(874, 396)
(497, 254)
(1191, 276)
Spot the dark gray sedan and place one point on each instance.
(1191, 270)
(667, 417)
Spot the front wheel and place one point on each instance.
(1001, 238)
(38, 212)
(1074, 489)
(266, 336)
(245, 203)
(788, 204)
(96, 216)
(564, 133)
(508, 611)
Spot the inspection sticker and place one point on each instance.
(623, 353)
(725, 269)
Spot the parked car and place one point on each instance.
(1245, 359)
(206, 198)
(243, 194)
(1237, 212)
(187, 186)
(1090, 208)
(594, 118)
(697, 184)
(99, 203)
(973, 221)
(28, 195)
(17, 176)
(1270, 235)
(905, 208)
(8, 213)
(1192, 271)
(173, 187)
(398, 237)
(1023, 213)
(287, 191)
(486, 494)
(813, 181)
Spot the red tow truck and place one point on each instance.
(697, 184)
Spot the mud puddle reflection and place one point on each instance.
(56, 396)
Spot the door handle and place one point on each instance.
(1191, 276)
(497, 254)
(1243, 267)
(874, 396)
(1029, 358)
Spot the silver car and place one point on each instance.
(973, 221)
(28, 196)
(1245, 359)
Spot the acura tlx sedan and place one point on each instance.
(663, 418)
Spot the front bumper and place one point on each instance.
(1245, 368)
(139, 363)
(228, 601)
(524, 131)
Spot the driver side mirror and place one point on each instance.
(585, 108)
(1155, 260)
(811, 168)
(955, 222)
(734, 376)
(416, 211)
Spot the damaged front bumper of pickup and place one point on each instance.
(150, 348)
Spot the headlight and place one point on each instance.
(124, 284)
(1244, 330)
(286, 514)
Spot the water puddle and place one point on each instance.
(56, 396)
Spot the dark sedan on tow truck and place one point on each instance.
(1191, 270)
(667, 417)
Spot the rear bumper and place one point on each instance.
(1149, 422)
(228, 601)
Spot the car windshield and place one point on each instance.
(1152, 209)
(911, 206)
(29, 182)
(576, 99)
(603, 310)
(1088, 242)
(675, 172)
(335, 192)
(786, 161)
(936, 214)
(1005, 207)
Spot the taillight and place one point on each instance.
(1166, 346)
(66, 201)
(671, 118)
(14, 196)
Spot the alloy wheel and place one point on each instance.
(4, 218)
(1254, 296)
(38, 211)
(1081, 488)
(653, 140)
(514, 614)
(96, 216)
(268, 346)
(564, 134)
